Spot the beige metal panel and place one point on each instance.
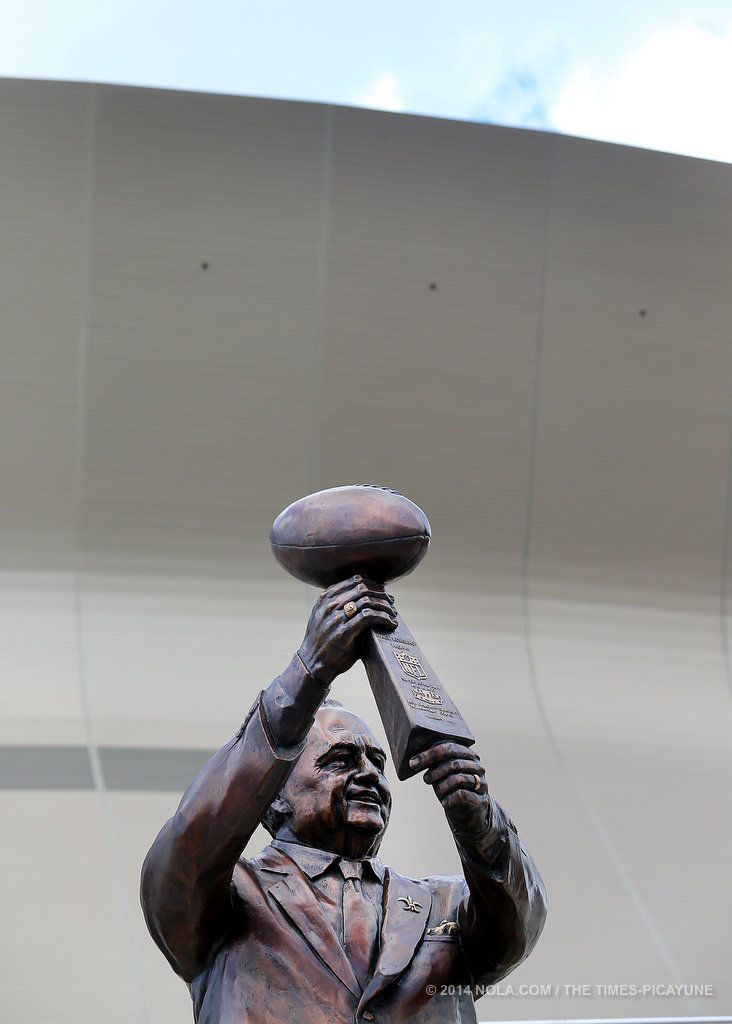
(725, 590)
(632, 672)
(634, 698)
(626, 533)
(179, 661)
(670, 817)
(200, 381)
(39, 698)
(427, 390)
(592, 934)
(43, 166)
(634, 410)
(137, 820)
(200, 399)
(63, 950)
(43, 171)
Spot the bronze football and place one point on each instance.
(329, 536)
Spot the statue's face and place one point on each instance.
(337, 792)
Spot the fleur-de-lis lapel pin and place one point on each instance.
(409, 904)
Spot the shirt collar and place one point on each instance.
(314, 862)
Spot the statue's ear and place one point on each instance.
(280, 806)
(276, 815)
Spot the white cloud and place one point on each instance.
(382, 93)
(626, 72)
(671, 94)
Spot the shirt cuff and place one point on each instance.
(289, 704)
(256, 722)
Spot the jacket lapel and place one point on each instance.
(407, 908)
(296, 898)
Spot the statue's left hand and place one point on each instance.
(458, 778)
(333, 641)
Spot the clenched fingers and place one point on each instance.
(465, 766)
(440, 753)
(339, 593)
(467, 783)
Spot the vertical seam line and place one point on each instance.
(585, 802)
(95, 762)
(724, 568)
(321, 294)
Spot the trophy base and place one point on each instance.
(414, 706)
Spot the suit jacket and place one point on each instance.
(255, 947)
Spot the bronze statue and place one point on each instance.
(378, 533)
(316, 929)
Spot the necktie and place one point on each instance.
(360, 922)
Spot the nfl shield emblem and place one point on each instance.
(410, 665)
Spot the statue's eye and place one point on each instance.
(377, 759)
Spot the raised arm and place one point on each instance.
(186, 877)
(503, 915)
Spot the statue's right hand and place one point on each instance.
(333, 636)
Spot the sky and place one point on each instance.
(650, 73)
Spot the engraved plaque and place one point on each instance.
(415, 708)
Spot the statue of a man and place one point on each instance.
(316, 929)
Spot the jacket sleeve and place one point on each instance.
(502, 916)
(186, 876)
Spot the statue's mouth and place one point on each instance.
(366, 796)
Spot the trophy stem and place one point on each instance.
(414, 706)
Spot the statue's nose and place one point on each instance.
(366, 769)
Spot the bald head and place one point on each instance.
(337, 796)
